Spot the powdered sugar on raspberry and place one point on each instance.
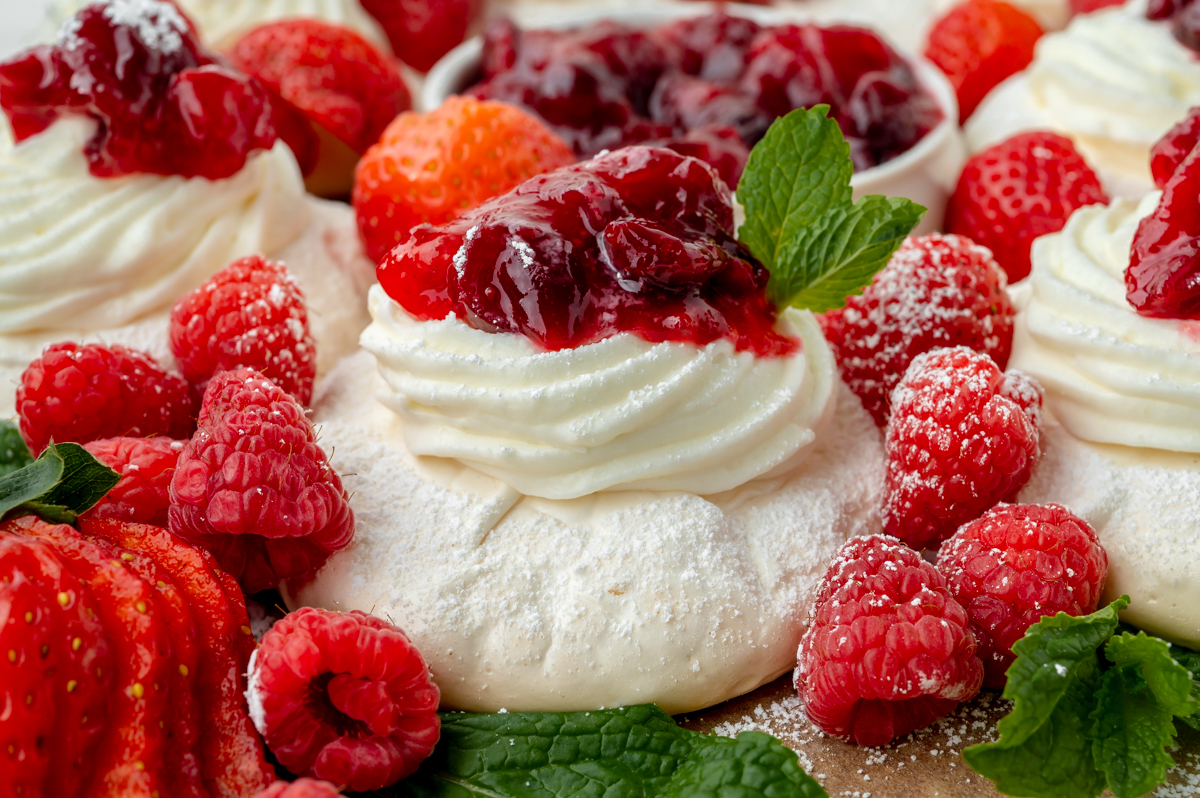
(159, 25)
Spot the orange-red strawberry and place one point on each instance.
(131, 761)
(77, 654)
(978, 44)
(336, 79)
(233, 763)
(434, 167)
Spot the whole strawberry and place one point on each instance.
(888, 650)
(344, 697)
(81, 393)
(422, 31)
(1017, 564)
(979, 43)
(254, 488)
(1018, 190)
(936, 291)
(251, 314)
(963, 437)
(145, 466)
(434, 167)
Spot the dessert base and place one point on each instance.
(617, 598)
(327, 260)
(1142, 503)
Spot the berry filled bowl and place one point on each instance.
(717, 80)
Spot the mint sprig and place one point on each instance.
(14, 454)
(63, 482)
(634, 751)
(1091, 709)
(818, 244)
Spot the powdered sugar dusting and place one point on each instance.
(158, 24)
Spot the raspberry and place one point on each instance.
(936, 291)
(422, 31)
(251, 314)
(332, 76)
(978, 44)
(82, 393)
(1018, 190)
(1017, 564)
(145, 466)
(434, 167)
(963, 436)
(300, 788)
(254, 488)
(344, 697)
(888, 650)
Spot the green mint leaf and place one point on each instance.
(1044, 747)
(635, 751)
(836, 255)
(1168, 680)
(1130, 732)
(819, 246)
(14, 454)
(35, 479)
(1190, 660)
(800, 170)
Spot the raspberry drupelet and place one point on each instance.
(888, 650)
(145, 465)
(1017, 564)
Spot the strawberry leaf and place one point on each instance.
(63, 482)
(14, 454)
(819, 246)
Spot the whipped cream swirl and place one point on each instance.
(79, 252)
(1111, 376)
(619, 414)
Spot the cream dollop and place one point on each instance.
(1113, 81)
(619, 414)
(1111, 375)
(222, 22)
(78, 252)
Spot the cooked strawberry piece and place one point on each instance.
(251, 314)
(82, 393)
(1168, 152)
(232, 763)
(335, 78)
(434, 167)
(82, 670)
(1163, 278)
(978, 44)
(145, 466)
(888, 650)
(165, 104)
(345, 697)
(422, 31)
(132, 758)
(1017, 191)
(719, 146)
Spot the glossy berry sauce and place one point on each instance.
(610, 85)
(638, 240)
(163, 104)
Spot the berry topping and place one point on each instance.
(422, 31)
(1015, 565)
(1088, 6)
(162, 103)
(82, 393)
(344, 697)
(251, 314)
(254, 488)
(978, 44)
(335, 78)
(232, 762)
(611, 85)
(131, 759)
(638, 240)
(1163, 278)
(719, 146)
(434, 167)
(1019, 190)
(1168, 153)
(937, 291)
(300, 788)
(963, 436)
(55, 672)
(888, 650)
(145, 466)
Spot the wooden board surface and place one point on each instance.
(925, 764)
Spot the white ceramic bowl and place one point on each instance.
(926, 173)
